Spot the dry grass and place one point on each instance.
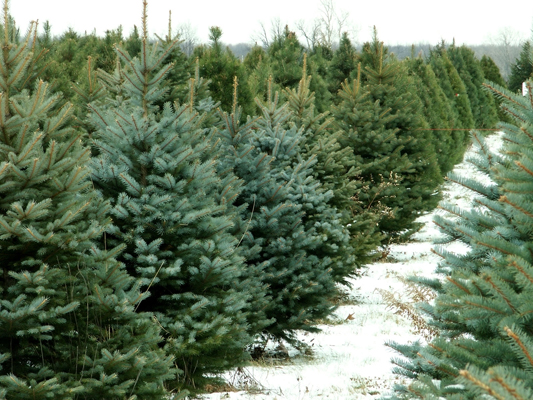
(407, 307)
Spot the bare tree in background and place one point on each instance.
(264, 36)
(311, 33)
(328, 28)
(507, 44)
(188, 37)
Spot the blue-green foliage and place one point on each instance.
(289, 252)
(68, 326)
(157, 168)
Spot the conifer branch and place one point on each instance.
(453, 281)
(522, 346)
(64, 116)
(494, 247)
(520, 165)
(522, 271)
(484, 307)
(504, 199)
(488, 279)
(436, 366)
(477, 382)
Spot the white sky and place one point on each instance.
(397, 21)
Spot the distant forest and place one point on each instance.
(504, 55)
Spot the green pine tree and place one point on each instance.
(170, 209)
(522, 69)
(334, 169)
(68, 326)
(221, 67)
(258, 73)
(286, 56)
(482, 103)
(492, 74)
(455, 91)
(382, 121)
(343, 64)
(437, 111)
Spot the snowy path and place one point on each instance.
(350, 360)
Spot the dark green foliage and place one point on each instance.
(455, 91)
(318, 65)
(343, 64)
(221, 67)
(68, 56)
(437, 112)
(482, 103)
(170, 208)
(286, 58)
(259, 73)
(68, 326)
(336, 172)
(382, 122)
(492, 74)
(522, 69)
(483, 303)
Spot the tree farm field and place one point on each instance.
(349, 358)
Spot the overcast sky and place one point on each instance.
(397, 21)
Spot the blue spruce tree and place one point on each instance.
(173, 213)
(293, 256)
(68, 326)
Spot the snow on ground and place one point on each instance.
(349, 359)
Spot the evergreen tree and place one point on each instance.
(492, 74)
(282, 242)
(483, 303)
(156, 166)
(221, 66)
(522, 69)
(68, 326)
(286, 55)
(455, 91)
(343, 64)
(258, 73)
(454, 88)
(318, 64)
(481, 102)
(335, 170)
(437, 111)
(382, 122)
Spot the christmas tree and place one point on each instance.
(382, 122)
(437, 111)
(343, 64)
(455, 91)
(492, 74)
(522, 69)
(170, 209)
(68, 325)
(334, 169)
(288, 252)
(481, 102)
(221, 67)
(483, 302)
